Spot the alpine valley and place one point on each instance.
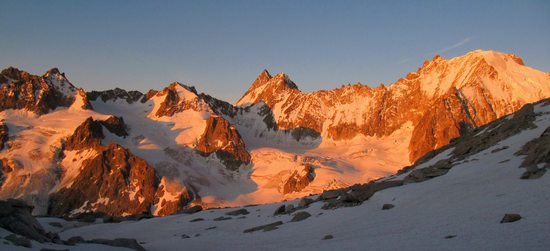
(68, 151)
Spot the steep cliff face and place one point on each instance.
(39, 94)
(440, 99)
(115, 182)
(224, 140)
(108, 179)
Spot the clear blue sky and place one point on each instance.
(221, 46)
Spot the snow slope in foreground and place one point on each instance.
(459, 210)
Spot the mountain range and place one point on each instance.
(69, 151)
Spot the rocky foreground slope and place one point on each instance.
(158, 153)
(485, 190)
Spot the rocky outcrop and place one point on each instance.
(16, 217)
(179, 198)
(508, 218)
(4, 136)
(90, 133)
(116, 126)
(537, 153)
(87, 135)
(221, 138)
(115, 94)
(39, 94)
(487, 136)
(298, 180)
(115, 182)
(354, 195)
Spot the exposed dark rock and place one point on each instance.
(222, 218)
(221, 138)
(119, 242)
(87, 135)
(184, 236)
(241, 211)
(265, 228)
(305, 202)
(300, 216)
(450, 236)
(19, 240)
(537, 153)
(4, 136)
(299, 179)
(481, 139)
(328, 237)
(196, 219)
(330, 194)
(75, 239)
(303, 133)
(16, 217)
(510, 218)
(499, 149)
(172, 103)
(192, 210)
(113, 174)
(39, 94)
(354, 195)
(419, 175)
(387, 206)
(116, 126)
(114, 94)
(220, 106)
(280, 210)
(172, 206)
(496, 131)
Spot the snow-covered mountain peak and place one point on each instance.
(264, 85)
(180, 88)
(53, 71)
(58, 80)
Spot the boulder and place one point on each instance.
(387, 206)
(280, 210)
(300, 216)
(304, 202)
(222, 218)
(192, 210)
(510, 218)
(241, 211)
(16, 217)
(328, 237)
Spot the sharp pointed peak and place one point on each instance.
(265, 74)
(284, 78)
(53, 72)
(175, 86)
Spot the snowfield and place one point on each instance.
(460, 210)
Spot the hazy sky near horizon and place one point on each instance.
(221, 46)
